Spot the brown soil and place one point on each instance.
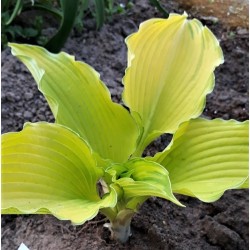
(159, 224)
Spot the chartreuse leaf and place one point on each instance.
(47, 168)
(245, 184)
(80, 101)
(170, 72)
(139, 179)
(207, 157)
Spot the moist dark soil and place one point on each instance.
(159, 224)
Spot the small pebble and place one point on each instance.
(242, 31)
(5, 112)
(223, 97)
(28, 96)
(27, 115)
(10, 96)
(225, 116)
(18, 114)
(41, 117)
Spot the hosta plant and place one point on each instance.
(90, 160)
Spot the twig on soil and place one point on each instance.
(63, 228)
(91, 223)
(99, 237)
(5, 232)
(97, 221)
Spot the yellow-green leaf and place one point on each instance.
(47, 168)
(80, 101)
(141, 178)
(207, 157)
(170, 72)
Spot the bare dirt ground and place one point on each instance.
(159, 224)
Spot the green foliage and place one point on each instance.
(69, 13)
(158, 5)
(56, 168)
(14, 30)
(11, 31)
(101, 10)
